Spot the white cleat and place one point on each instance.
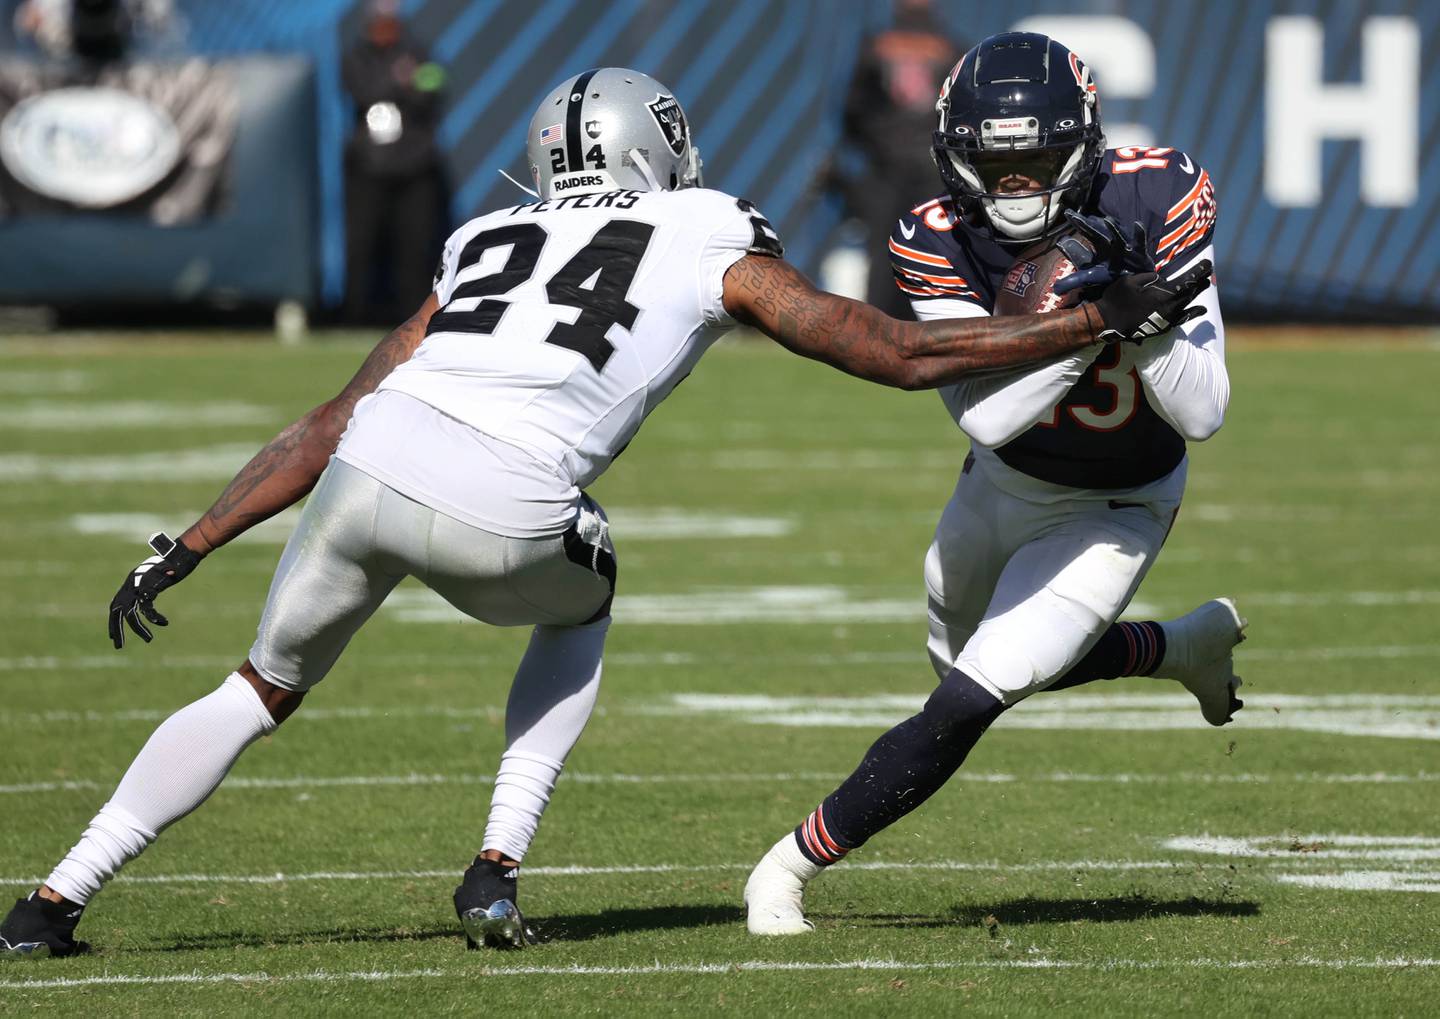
(1199, 652)
(775, 893)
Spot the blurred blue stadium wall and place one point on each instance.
(1310, 226)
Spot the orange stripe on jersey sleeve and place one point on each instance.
(918, 256)
(1189, 199)
(949, 281)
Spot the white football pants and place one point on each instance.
(1021, 589)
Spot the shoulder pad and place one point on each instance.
(765, 239)
(1166, 191)
(919, 255)
(938, 214)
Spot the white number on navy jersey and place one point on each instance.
(1115, 371)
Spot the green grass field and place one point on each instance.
(771, 522)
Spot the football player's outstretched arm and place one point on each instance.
(276, 477)
(774, 297)
(287, 468)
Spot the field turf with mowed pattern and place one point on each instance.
(1102, 850)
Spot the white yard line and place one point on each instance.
(1368, 880)
(317, 714)
(749, 605)
(1407, 848)
(661, 523)
(1327, 654)
(648, 659)
(1397, 716)
(30, 382)
(1289, 860)
(210, 463)
(769, 460)
(724, 969)
(1319, 599)
(234, 783)
(68, 416)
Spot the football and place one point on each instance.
(1029, 284)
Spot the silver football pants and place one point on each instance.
(357, 538)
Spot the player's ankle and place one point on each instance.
(496, 856)
(51, 895)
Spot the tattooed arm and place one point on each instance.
(285, 470)
(774, 297)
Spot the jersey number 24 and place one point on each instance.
(608, 264)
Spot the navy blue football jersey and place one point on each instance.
(1103, 433)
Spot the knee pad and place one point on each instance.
(959, 704)
(1002, 664)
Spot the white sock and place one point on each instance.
(550, 702)
(522, 791)
(177, 769)
(787, 854)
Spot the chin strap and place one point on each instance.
(529, 191)
(643, 165)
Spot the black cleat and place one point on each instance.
(37, 928)
(485, 903)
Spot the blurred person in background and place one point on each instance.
(889, 115)
(393, 192)
(100, 31)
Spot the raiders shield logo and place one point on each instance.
(671, 119)
(593, 128)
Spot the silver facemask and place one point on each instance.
(610, 128)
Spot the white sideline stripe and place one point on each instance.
(723, 969)
(664, 523)
(616, 778)
(54, 416)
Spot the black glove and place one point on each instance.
(1138, 307)
(1101, 251)
(172, 563)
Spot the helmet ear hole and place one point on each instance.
(674, 180)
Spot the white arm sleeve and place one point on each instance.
(994, 408)
(1183, 372)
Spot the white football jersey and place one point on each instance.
(563, 323)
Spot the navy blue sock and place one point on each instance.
(901, 769)
(1126, 649)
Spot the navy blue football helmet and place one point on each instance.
(1019, 133)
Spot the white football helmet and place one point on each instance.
(610, 128)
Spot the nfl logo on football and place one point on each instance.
(1019, 278)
